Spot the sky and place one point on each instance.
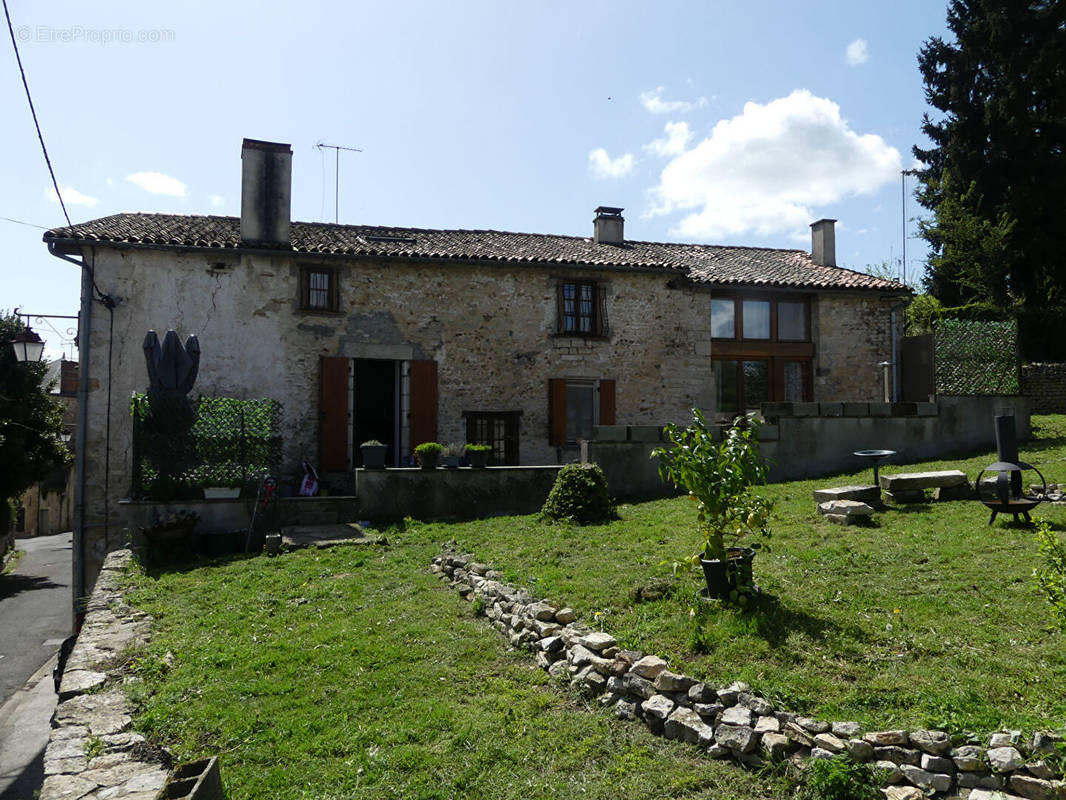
(713, 122)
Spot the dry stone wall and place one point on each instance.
(1045, 386)
(853, 336)
(736, 723)
(92, 754)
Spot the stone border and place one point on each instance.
(92, 754)
(734, 722)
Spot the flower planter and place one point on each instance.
(451, 462)
(374, 455)
(734, 574)
(221, 492)
(478, 460)
(428, 460)
(169, 535)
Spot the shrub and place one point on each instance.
(840, 778)
(479, 448)
(429, 447)
(579, 494)
(1051, 574)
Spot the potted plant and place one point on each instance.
(222, 484)
(718, 476)
(478, 455)
(373, 454)
(428, 453)
(453, 454)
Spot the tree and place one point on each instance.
(30, 420)
(996, 165)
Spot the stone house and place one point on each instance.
(524, 341)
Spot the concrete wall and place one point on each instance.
(1045, 386)
(452, 493)
(812, 439)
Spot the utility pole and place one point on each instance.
(903, 173)
(337, 180)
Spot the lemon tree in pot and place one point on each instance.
(718, 476)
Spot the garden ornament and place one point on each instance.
(171, 368)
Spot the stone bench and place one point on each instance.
(909, 487)
(863, 494)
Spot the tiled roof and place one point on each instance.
(720, 265)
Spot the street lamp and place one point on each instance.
(28, 346)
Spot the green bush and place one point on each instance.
(579, 494)
(429, 447)
(1051, 574)
(840, 778)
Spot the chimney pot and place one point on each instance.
(824, 243)
(609, 226)
(266, 187)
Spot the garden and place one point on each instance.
(356, 672)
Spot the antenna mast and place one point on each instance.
(337, 173)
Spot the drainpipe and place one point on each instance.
(84, 341)
(894, 331)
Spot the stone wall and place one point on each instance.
(1045, 386)
(91, 750)
(735, 722)
(854, 334)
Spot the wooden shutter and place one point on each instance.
(333, 415)
(556, 412)
(423, 402)
(607, 413)
(602, 328)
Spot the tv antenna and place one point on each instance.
(337, 173)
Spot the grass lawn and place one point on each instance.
(355, 673)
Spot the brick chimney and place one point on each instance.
(608, 227)
(266, 186)
(824, 242)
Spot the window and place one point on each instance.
(318, 289)
(498, 429)
(582, 309)
(760, 319)
(761, 351)
(576, 405)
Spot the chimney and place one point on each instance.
(266, 185)
(608, 226)
(824, 243)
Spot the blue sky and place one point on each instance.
(717, 122)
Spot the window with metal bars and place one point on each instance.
(318, 289)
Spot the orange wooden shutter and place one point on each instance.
(556, 412)
(423, 402)
(607, 402)
(333, 415)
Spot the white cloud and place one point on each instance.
(673, 143)
(653, 102)
(857, 53)
(216, 200)
(604, 167)
(158, 183)
(71, 196)
(768, 169)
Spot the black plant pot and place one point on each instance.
(733, 574)
(478, 459)
(374, 455)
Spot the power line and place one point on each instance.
(23, 222)
(33, 111)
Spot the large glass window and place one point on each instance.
(726, 386)
(723, 318)
(796, 380)
(756, 384)
(792, 321)
(756, 319)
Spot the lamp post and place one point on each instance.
(28, 345)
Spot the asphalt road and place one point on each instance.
(35, 609)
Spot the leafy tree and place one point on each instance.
(30, 419)
(997, 158)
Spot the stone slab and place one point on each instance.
(849, 508)
(610, 433)
(856, 409)
(880, 409)
(904, 497)
(299, 536)
(830, 409)
(923, 480)
(776, 409)
(904, 409)
(947, 493)
(863, 494)
(805, 409)
(645, 433)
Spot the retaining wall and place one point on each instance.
(1045, 386)
(806, 440)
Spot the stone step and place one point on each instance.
(922, 480)
(863, 494)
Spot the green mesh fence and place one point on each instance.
(181, 444)
(976, 358)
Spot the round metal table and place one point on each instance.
(875, 456)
